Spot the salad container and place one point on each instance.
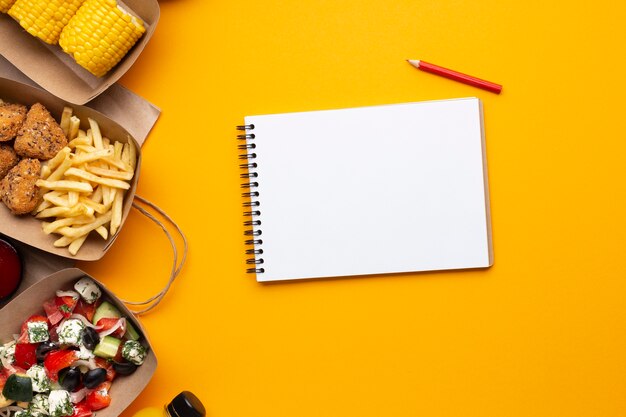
(124, 389)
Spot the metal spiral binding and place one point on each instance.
(250, 193)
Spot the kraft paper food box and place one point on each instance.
(28, 229)
(124, 389)
(56, 71)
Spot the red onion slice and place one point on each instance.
(72, 294)
(79, 395)
(9, 410)
(91, 364)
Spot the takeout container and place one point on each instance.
(56, 71)
(26, 228)
(125, 388)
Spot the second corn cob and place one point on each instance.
(100, 34)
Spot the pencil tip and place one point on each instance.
(414, 62)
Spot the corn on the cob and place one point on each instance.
(5, 5)
(100, 34)
(44, 18)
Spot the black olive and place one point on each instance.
(44, 348)
(69, 378)
(94, 377)
(124, 368)
(90, 338)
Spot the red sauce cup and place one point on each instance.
(10, 270)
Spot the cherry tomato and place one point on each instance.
(66, 305)
(85, 309)
(3, 377)
(57, 360)
(52, 311)
(81, 410)
(25, 355)
(99, 398)
(107, 323)
(103, 363)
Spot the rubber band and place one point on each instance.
(177, 265)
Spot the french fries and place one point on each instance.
(83, 186)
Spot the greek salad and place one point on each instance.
(64, 361)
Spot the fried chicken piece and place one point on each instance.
(8, 159)
(18, 190)
(11, 119)
(40, 136)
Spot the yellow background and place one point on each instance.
(541, 333)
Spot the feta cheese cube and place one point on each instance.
(37, 331)
(84, 353)
(70, 332)
(60, 403)
(88, 290)
(39, 406)
(134, 352)
(39, 378)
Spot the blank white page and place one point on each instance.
(372, 190)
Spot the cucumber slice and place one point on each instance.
(107, 348)
(131, 332)
(106, 310)
(18, 387)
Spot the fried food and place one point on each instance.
(83, 186)
(8, 159)
(18, 190)
(40, 136)
(79, 186)
(11, 118)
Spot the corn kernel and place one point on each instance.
(5, 5)
(100, 34)
(44, 19)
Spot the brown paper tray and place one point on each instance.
(125, 388)
(56, 71)
(26, 228)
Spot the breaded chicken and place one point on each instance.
(18, 190)
(8, 159)
(11, 119)
(40, 136)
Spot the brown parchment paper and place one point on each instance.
(128, 109)
(27, 229)
(56, 71)
(137, 115)
(125, 388)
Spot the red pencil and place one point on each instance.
(457, 76)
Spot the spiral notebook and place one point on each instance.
(370, 190)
